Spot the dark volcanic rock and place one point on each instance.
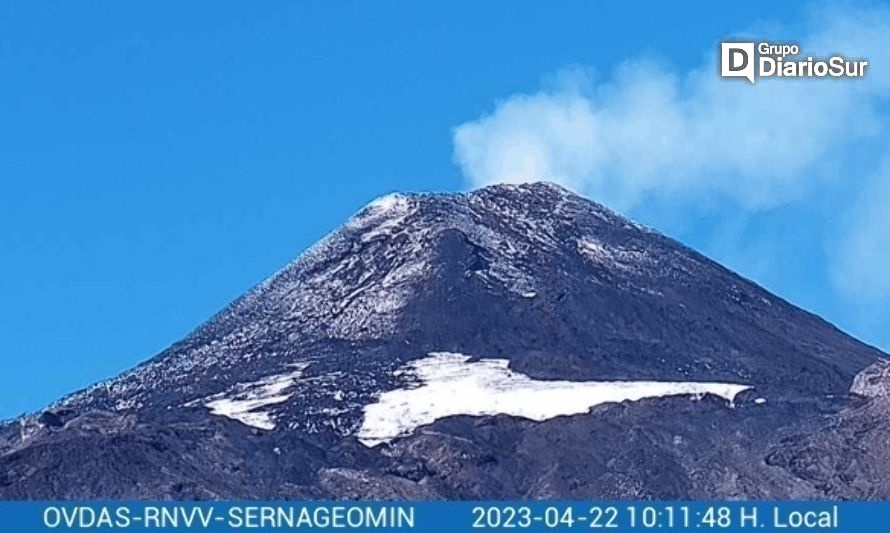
(849, 456)
(269, 399)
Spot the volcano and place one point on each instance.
(518, 341)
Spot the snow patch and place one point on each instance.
(450, 384)
(245, 401)
(385, 216)
(626, 259)
(388, 202)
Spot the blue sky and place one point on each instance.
(158, 159)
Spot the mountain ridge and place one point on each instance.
(496, 189)
(525, 284)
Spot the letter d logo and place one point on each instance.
(737, 60)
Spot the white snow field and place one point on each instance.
(452, 385)
(245, 401)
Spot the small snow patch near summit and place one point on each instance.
(610, 256)
(389, 202)
(383, 217)
(450, 384)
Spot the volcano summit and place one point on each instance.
(512, 342)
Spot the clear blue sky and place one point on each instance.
(157, 159)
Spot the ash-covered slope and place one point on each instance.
(339, 376)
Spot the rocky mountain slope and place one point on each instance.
(516, 341)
